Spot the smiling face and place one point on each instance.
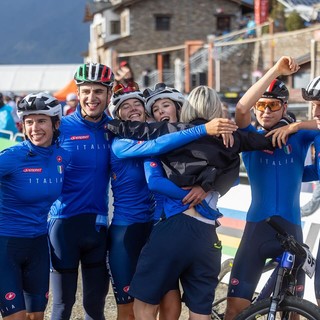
(38, 128)
(267, 118)
(132, 110)
(164, 110)
(94, 99)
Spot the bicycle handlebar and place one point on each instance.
(288, 242)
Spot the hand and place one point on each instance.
(287, 65)
(280, 135)
(228, 139)
(219, 126)
(195, 196)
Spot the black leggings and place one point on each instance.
(72, 241)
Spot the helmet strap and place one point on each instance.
(85, 115)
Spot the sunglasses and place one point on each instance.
(121, 88)
(272, 105)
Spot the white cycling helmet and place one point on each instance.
(39, 103)
(312, 92)
(121, 94)
(161, 91)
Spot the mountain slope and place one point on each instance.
(42, 32)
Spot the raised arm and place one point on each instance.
(285, 66)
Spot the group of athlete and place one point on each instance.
(169, 159)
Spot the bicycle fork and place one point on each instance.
(286, 265)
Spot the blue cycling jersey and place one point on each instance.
(275, 178)
(171, 194)
(87, 177)
(31, 180)
(312, 172)
(132, 200)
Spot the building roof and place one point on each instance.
(23, 79)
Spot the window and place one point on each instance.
(223, 24)
(162, 23)
(114, 27)
(165, 60)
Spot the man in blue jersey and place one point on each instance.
(78, 219)
(275, 179)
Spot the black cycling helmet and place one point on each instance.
(277, 90)
(312, 92)
(161, 91)
(39, 103)
(95, 73)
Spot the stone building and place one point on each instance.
(186, 43)
(151, 34)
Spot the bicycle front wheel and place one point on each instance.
(289, 308)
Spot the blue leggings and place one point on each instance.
(258, 243)
(72, 241)
(125, 244)
(24, 281)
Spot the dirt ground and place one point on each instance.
(110, 308)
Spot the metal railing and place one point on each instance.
(222, 50)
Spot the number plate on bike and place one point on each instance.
(309, 264)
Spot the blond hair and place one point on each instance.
(203, 102)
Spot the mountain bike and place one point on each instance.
(283, 303)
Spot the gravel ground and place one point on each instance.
(110, 308)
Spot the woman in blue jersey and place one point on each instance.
(32, 174)
(132, 201)
(275, 180)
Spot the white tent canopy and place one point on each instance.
(23, 79)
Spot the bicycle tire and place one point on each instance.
(295, 305)
(219, 303)
(226, 267)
